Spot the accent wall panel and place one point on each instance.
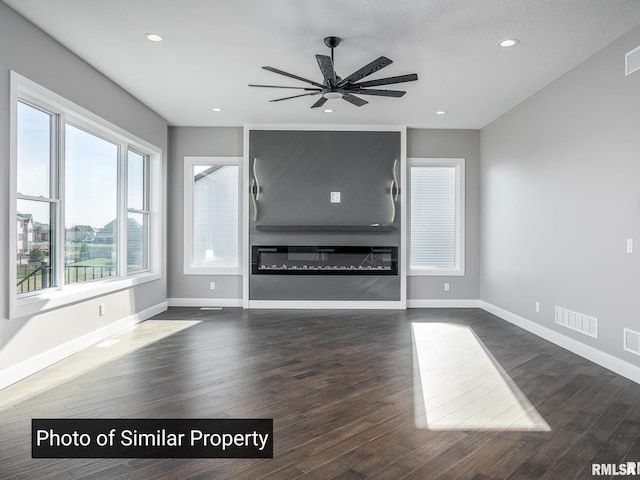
(294, 173)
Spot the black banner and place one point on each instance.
(152, 438)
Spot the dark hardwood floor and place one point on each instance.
(339, 386)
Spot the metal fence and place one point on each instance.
(41, 277)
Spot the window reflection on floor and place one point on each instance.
(458, 385)
(86, 360)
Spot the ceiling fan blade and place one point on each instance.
(380, 93)
(321, 101)
(280, 86)
(326, 67)
(368, 69)
(387, 81)
(291, 75)
(358, 102)
(294, 96)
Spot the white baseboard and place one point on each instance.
(29, 367)
(326, 304)
(204, 302)
(443, 303)
(615, 364)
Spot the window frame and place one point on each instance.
(54, 191)
(188, 267)
(76, 121)
(64, 111)
(145, 211)
(459, 165)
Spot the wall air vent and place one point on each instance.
(632, 61)
(577, 321)
(632, 341)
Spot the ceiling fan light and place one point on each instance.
(332, 95)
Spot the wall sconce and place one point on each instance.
(255, 190)
(394, 190)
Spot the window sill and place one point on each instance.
(435, 272)
(237, 271)
(70, 294)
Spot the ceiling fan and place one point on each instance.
(334, 87)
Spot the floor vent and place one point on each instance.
(577, 321)
(632, 341)
(632, 61)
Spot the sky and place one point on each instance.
(91, 172)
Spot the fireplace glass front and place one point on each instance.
(329, 260)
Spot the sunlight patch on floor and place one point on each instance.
(114, 347)
(458, 385)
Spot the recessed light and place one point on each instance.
(154, 37)
(441, 112)
(509, 42)
(328, 110)
(216, 109)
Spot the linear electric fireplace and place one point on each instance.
(321, 260)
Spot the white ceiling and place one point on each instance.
(214, 48)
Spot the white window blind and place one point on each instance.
(215, 215)
(435, 215)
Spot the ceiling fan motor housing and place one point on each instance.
(332, 95)
(332, 42)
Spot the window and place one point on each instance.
(91, 206)
(36, 204)
(436, 217)
(212, 215)
(137, 212)
(84, 195)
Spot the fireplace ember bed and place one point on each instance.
(323, 260)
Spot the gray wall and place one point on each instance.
(218, 141)
(452, 144)
(195, 141)
(560, 196)
(28, 51)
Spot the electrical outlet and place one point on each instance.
(538, 307)
(446, 287)
(335, 197)
(101, 309)
(212, 286)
